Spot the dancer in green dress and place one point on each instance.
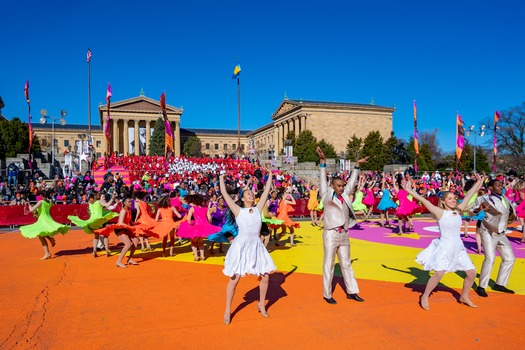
(98, 217)
(45, 227)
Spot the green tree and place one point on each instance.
(158, 139)
(290, 137)
(373, 148)
(425, 161)
(327, 148)
(193, 147)
(14, 138)
(305, 146)
(354, 147)
(389, 149)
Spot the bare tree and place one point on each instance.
(429, 138)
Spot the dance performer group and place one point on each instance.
(245, 221)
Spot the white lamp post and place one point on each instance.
(62, 122)
(472, 131)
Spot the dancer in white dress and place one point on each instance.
(247, 253)
(446, 253)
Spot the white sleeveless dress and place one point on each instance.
(247, 253)
(447, 253)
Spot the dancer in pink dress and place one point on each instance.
(519, 189)
(369, 199)
(197, 226)
(406, 207)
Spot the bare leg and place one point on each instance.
(522, 222)
(172, 241)
(478, 240)
(106, 245)
(431, 284)
(230, 292)
(387, 221)
(400, 226)
(135, 243)
(465, 229)
(263, 289)
(220, 248)
(47, 254)
(292, 236)
(142, 244)
(210, 249)
(265, 240)
(194, 249)
(283, 231)
(127, 244)
(164, 242)
(200, 244)
(312, 220)
(95, 244)
(467, 284)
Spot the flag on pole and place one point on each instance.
(26, 93)
(108, 118)
(88, 56)
(168, 143)
(497, 116)
(236, 71)
(416, 141)
(460, 142)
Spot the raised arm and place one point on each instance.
(231, 203)
(323, 183)
(267, 188)
(436, 211)
(35, 207)
(479, 182)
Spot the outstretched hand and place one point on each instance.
(406, 184)
(320, 153)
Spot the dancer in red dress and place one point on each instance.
(286, 206)
(125, 233)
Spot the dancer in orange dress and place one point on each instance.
(168, 226)
(125, 233)
(286, 206)
(144, 223)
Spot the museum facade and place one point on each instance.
(134, 119)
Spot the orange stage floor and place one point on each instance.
(74, 301)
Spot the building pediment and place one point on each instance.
(284, 107)
(140, 104)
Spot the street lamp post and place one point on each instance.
(62, 121)
(472, 131)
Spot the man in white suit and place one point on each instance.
(493, 228)
(338, 218)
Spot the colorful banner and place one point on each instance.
(460, 142)
(236, 71)
(497, 116)
(416, 141)
(107, 133)
(168, 143)
(26, 93)
(88, 56)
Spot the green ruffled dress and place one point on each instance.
(45, 225)
(98, 217)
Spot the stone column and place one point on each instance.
(297, 127)
(137, 140)
(114, 134)
(176, 136)
(104, 140)
(148, 135)
(125, 134)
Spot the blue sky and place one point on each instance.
(450, 56)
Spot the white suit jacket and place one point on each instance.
(334, 215)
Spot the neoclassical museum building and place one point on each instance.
(134, 119)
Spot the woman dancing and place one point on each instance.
(247, 254)
(125, 233)
(386, 203)
(98, 217)
(218, 218)
(45, 227)
(197, 226)
(406, 207)
(286, 206)
(313, 204)
(446, 253)
(168, 226)
(144, 223)
(369, 199)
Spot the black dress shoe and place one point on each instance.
(502, 289)
(481, 292)
(355, 297)
(330, 301)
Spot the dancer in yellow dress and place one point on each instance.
(313, 204)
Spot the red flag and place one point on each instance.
(108, 119)
(88, 56)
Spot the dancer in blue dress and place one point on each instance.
(386, 203)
